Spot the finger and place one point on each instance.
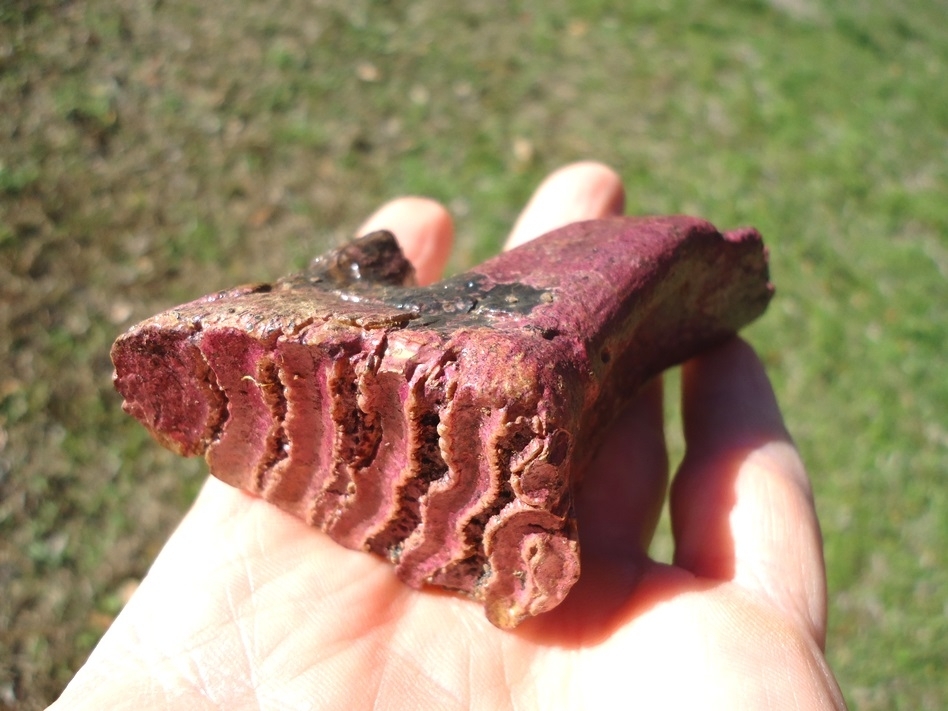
(424, 230)
(741, 505)
(622, 497)
(580, 191)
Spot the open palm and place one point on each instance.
(247, 607)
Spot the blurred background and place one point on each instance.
(152, 151)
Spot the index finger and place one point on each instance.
(578, 191)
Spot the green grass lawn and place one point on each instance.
(153, 151)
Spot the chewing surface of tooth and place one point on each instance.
(445, 428)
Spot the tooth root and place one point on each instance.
(308, 434)
(350, 439)
(235, 456)
(423, 463)
(533, 561)
(453, 499)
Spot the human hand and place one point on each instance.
(247, 607)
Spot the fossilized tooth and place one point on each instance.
(445, 428)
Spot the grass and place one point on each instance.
(150, 152)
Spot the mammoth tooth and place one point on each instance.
(445, 428)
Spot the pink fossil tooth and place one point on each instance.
(445, 428)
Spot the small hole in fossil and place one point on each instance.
(558, 448)
(605, 355)
(550, 333)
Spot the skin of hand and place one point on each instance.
(248, 608)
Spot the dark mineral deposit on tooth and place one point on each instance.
(444, 428)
